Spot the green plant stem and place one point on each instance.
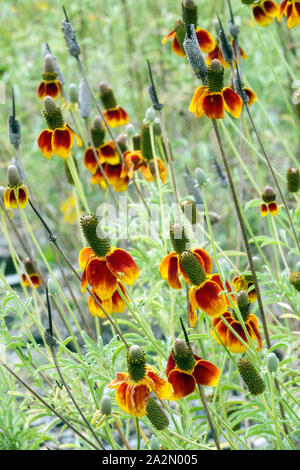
(210, 422)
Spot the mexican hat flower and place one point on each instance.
(114, 114)
(98, 178)
(205, 39)
(170, 266)
(103, 266)
(213, 99)
(50, 86)
(116, 177)
(185, 370)
(244, 282)
(223, 334)
(206, 292)
(251, 95)
(133, 161)
(105, 151)
(269, 204)
(31, 273)
(58, 139)
(151, 164)
(265, 11)
(134, 388)
(291, 9)
(16, 194)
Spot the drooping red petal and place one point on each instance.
(100, 278)
(233, 343)
(45, 143)
(206, 373)
(52, 89)
(205, 40)
(176, 47)
(160, 387)
(183, 384)
(122, 265)
(171, 364)
(233, 102)
(208, 299)
(264, 210)
(207, 263)
(213, 106)
(109, 153)
(84, 256)
(90, 161)
(273, 208)
(173, 278)
(41, 90)
(62, 141)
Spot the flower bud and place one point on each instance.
(94, 235)
(136, 363)
(106, 96)
(201, 177)
(122, 142)
(251, 377)
(295, 280)
(84, 100)
(29, 267)
(272, 362)
(293, 180)
(52, 288)
(226, 47)
(156, 415)
(73, 92)
(49, 64)
(105, 405)
(150, 115)
(191, 12)
(130, 130)
(234, 29)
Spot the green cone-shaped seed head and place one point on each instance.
(180, 30)
(251, 377)
(73, 93)
(156, 415)
(191, 12)
(105, 405)
(243, 304)
(146, 148)
(268, 195)
(179, 240)
(13, 176)
(215, 76)
(29, 267)
(136, 141)
(107, 96)
(136, 363)
(293, 180)
(97, 132)
(183, 355)
(192, 268)
(52, 113)
(94, 235)
(295, 280)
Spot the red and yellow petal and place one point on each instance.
(233, 102)
(108, 153)
(216, 54)
(193, 317)
(62, 141)
(121, 377)
(221, 328)
(207, 298)
(261, 17)
(133, 398)
(172, 34)
(84, 256)
(41, 90)
(239, 283)
(122, 265)
(206, 373)
(197, 100)
(273, 208)
(113, 173)
(173, 277)
(253, 323)
(22, 196)
(252, 97)
(77, 138)
(233, 343)
(162, 170)
(53, 89)
(213, 106)
(263, 210)
(205, 40)
(293, 15)
(116, 117)
(95, 309)
(176, 48)
(271, 8)
(98, 178)
(118, 304)
(101, 279)
(160, 387)
(282, 9)
(90, 161)
(45, 143)
(171, 364)
(182, 382)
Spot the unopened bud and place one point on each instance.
(105, 405)
(272, 362)
(49, 64)
(130, 130)
(73, 92)
(150, 115)
(293, 180)
(268, 195)
(201, 177)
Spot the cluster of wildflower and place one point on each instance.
(266, 11)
